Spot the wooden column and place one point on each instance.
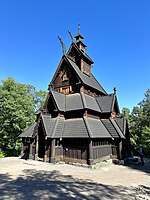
(45, 155)
(52, 152)
(22, 148)
(30, 150)
(90, 158)
(36, 148)
(120, 150)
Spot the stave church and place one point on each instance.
(79, 121)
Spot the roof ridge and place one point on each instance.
(53, 98)
(113, 102)
(87, 126)
(82, 53)
(83, 100)
(98, 104)
(92, 75)
(117, 128)
(33, 124)
(55, 126)
(106, 127)
(44, 124)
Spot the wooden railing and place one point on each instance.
(101, 151)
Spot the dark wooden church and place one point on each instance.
(79, 121)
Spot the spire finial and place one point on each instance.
(115, 90)
(78, 28)
(63, 46)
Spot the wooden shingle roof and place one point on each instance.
(120, 123)
(120, 133)
(28, 132)
(87, 80)
(111, 129)
(75, 128)
(97, 129)
(49, 124)
(86, 127)
(79, 101)
(74, 102)
(90, 102)
(59, 99)
(105, 103)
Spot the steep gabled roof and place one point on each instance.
(87, 80)
(28, 132)
(79, 51)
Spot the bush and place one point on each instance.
(2, 154)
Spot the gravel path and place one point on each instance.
(23, 180)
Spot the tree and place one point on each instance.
(139, 123)
(39, 98)
(16, 113)
(126, 112)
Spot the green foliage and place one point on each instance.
(126, 112)
(17, 106)
(139, 123)
(16, 113)
(2, 154)
(39, 98)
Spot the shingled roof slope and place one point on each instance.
(73, 102)
(29, 131)
(75, 128)
(107, 123)
(90, 102)
(120, 122)
(59, 99)
(97, 128)
(105, 103)
(59, 127)
(87, 80)
(77, 101)
(80, 52)
(49, 124)
(117, 128)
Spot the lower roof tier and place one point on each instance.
(85, 127)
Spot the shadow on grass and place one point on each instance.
(33, 184)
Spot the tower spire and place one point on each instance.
(79, 40)
(115, 91)
(78, 28)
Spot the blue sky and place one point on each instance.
(116, 32)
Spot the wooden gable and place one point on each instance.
(80, 58)
(115, 107)
(65, 80)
